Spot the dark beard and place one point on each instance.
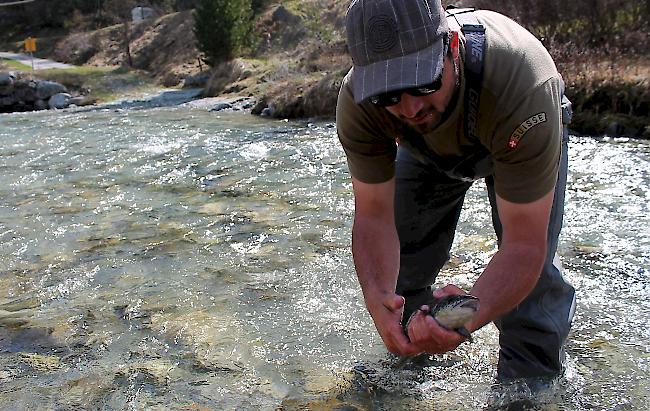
(432, 124)
(438, 118)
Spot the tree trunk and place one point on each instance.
(127, 44)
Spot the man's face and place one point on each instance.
(424, 113)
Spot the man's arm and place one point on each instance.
(506, 281)
(375, 248)
(514, 270)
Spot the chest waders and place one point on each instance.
(429, 196)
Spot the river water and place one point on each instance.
(175, 258)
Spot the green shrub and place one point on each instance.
(222, 28)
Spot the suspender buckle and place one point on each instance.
(473, 28)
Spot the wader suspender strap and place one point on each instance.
(479, 163)
(474, 52)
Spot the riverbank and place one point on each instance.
(296, 71)
(610, 94)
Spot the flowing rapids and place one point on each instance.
(174, 258)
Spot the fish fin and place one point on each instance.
(463, 331)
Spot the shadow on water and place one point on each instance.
(17, 336)
(18, 339)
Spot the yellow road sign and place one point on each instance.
(30, 44)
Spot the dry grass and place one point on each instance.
(611, 95)
(13, 65)
(100, 83)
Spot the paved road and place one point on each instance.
(39, 64)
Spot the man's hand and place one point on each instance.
(375, 248)
(387, 314)
(425, 332)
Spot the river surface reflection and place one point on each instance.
(173, 258)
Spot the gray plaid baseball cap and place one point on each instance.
(394, 44)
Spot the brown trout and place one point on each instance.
(453, 312)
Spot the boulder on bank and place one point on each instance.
(45, 89)
(196, 81)
(7, 83)
(59, 101)
(18, 94)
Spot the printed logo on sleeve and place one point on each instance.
(523, 128)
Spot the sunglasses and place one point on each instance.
(393, 97)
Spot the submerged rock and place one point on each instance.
(15, 318)
(87, 392)
(41, 362)
(156, 371)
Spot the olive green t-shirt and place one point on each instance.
(519, 119)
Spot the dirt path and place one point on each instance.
(39, 64)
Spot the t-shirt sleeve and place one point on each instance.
(527, 145)
(361, 130)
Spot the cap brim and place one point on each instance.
(412, 70)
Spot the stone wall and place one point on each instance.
(23, 94)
